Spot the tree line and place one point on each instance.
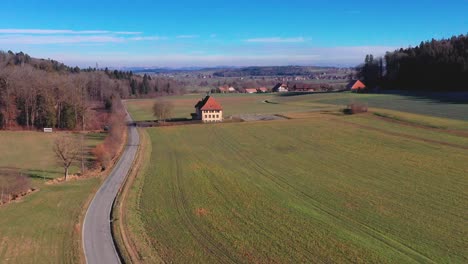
(37, 93)
(437, 65)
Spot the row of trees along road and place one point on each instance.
(436, 65)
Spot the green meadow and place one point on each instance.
(235, 104)
(381, 187)
(43, 227)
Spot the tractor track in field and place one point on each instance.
(346, 221)
(208, 243)
(227, 202)
(421, 139)
(253, 221)
(261, 171)
(425, 127)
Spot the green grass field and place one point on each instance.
(233, 104)
(319, 188)
(44, 226)
(408, 108)
(402, 103)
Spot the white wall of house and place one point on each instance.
(212, 116)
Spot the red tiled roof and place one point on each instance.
(358, 85)
(208, 103)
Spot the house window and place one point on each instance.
(217, 116)
(206, 116)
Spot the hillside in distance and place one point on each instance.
(280, 71)
(256, 71)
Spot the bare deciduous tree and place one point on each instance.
(162, 109)
(67, 150)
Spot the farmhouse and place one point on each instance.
(304, 87)
(262, 90)
(227, 89)
(250, 90)
(279, 88)
(208, 110)
(223, 89)
(356, 86)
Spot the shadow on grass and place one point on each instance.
(41, 174)
(287, 94)
(436, 97)
(96, 136)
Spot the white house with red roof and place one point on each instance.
(250, 90)
(209, 110)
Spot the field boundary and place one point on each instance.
(396, 120)
(420, 139)
(124, 238)
(124, 247)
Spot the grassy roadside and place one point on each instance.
(129, 235)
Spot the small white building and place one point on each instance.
(250, 90)
(208, 110)
(280, 88)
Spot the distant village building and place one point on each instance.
(280, 88)
(250, 90)
(304, 87)
(223, 89)
(227, 89)
(356, 86)
(262, 90)
(208, 110)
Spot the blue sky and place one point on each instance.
(211, 33)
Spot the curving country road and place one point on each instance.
(98, 245)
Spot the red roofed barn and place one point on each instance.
(356, 86)
(209, 110)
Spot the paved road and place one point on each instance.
(98, 245)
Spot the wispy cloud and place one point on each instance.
(147, 38)
(276, 40)
(62, 31)
(127, 32)
(187, 36)
(12, 36)
(66, 39)
(37, 40)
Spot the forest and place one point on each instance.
(38, 93)
(435, 65)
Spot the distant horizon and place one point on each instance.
(210, 33)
